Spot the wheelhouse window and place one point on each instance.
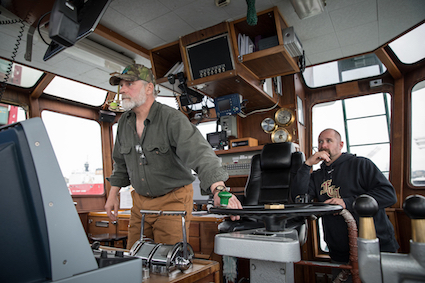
(10, 114)
(77, 145)
(364, 125)
(343, 70)
(417, 157)
(410, 48)
(76, 91)
(18, 75)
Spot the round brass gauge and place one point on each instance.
(284, 117)
(281, 135)
(268, 125)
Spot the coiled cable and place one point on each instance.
(14, 52)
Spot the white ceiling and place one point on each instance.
(346, 28)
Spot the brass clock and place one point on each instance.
(284, 117)
(281, 135)
(268, 125)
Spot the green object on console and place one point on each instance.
(224, 197)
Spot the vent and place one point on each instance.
(222, 3)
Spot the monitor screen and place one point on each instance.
(89, 15)
(210, 56)
(224, 105)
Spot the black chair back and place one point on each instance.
(270, 175)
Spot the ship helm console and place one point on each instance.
(45, 240)
(273, 249)
(376, 266)
(162, 259)
(43, 237)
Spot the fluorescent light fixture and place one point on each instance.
(99, 55)
(308, 8)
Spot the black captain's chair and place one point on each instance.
(268, 182)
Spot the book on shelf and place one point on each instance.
(245, 44)
(177, 68)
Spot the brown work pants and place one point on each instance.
(162, 229)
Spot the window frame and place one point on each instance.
(409, 172)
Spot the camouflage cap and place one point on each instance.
(133, 73)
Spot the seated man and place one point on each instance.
(341, 178)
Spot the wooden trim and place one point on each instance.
(389, 63)
(398, 133)
(121, 41)
(107, 145)
(41, 86)
(347, 89)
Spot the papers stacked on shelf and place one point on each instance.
(177, 68)
(245, 44)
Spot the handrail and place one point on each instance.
(353, 264)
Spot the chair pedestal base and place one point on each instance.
(270, 271)
(272, 254)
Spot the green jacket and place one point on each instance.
(163, 157)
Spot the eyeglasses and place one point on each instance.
(139, 150)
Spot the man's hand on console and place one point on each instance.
(339, 201)
(112, 203)
(233, 203)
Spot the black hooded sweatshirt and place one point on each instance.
(348, 177)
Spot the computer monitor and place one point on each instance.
(89, 14)
(228, 105)
(42, 237)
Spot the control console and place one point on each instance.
(228, 105)
(106, 258)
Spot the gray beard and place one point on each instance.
(129, 104)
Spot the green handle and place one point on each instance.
(224, 198)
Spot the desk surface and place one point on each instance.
(196, 216)
(199, 270)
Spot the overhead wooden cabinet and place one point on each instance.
(163, 59)
(273, 59)
(214, 66)
(213, 80)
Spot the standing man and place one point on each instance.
(155, 149)
(343, 177)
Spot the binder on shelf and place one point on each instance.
(178, 67)
(245, 44)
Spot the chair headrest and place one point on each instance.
(277, 155)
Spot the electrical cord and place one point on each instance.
(14, 52)
(243, 115)
(38, 27)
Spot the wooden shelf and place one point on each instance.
(270, 62)
(239, 149)
(246, 76)
(239, 80)
(163, 58)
